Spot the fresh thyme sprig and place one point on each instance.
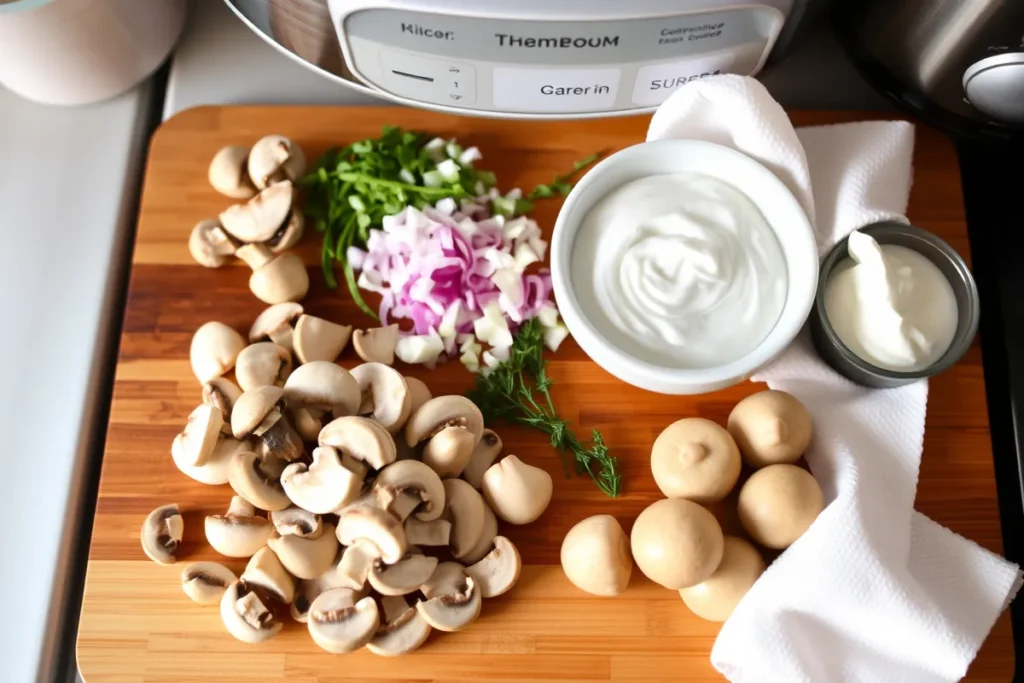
(517, 391)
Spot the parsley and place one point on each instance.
(517, 391)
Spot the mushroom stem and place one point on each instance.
(255, 255)
(241, 507)
(404, 504)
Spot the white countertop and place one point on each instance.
(68, 182)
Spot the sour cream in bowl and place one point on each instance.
(681, 266)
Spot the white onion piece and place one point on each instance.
(419, 349)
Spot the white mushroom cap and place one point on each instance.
(199, 438)
(249, 480)
(444, 411)
(595, 556)
(209, 245)
(324, 386)
(415, 478)
(453, 599)
(436, 532)
(262, 364)
(162, 531)
(486, 542)
(770, 427)
(266, 572)
(277, 324)
(294, 521)
(376, 345)
(404, 576)
(518, 493)
(449, 451)
(221, 393)
(385, 395)
(258, 219)
(274, 158)
(676, 543)
(307, 421)
(228, 174)
(239, 532)
(213, 350)
(252, 408)
(484, 455)
(419, 393)
(306, 558)
(362, 522)
(277, 278)
(778, 503)
(696, 459)
(324, 486)
(498, 571)
(402, 631)
(205, 582)
(337, 625)
(361, 438)
(465, 508)
(319, 339)
(245, 615)
(214, 471)
(716, 597)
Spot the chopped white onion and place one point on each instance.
(554, 336)
(420, 348)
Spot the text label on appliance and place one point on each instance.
(418, 30)
(511, 40)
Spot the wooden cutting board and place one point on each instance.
(136, 623)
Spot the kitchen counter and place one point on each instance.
(68, 188)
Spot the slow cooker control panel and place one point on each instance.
(520, 67)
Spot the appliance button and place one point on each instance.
(555, 90)
(995, 86)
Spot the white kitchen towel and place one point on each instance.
(874, 591)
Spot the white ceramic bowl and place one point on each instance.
(778, 206)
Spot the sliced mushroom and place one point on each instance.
(265, 571)
(213, 350)
(364, 522)
(449, 451)
(253, 408)
(402, 631)
(433, 533)
(323, 386)
(294, 521)
(238, 532)
(441, 412)
(323, 487)
(258, 219)
(484, 455)
(228, 173)
(277, 324)
(250, 481)
(405, 486)
(465, 507)
(276, 278)
(319, 339)
(199, 438)
(307, 590)
(419, 393)
(483, 546)
(275, 158)
(214, 471)
(289, 234)
(308, 422)
(245, 615)
(221, 393)
(209, 245)
(498, 571)
(376, 345)
(385, 395)
(518, 493)
(306, 558)
(453, 599)
(161, 533)
(339, 626)
(356, 562)
(205, 582)
(262, 364)
(403, 577)
(361, 438)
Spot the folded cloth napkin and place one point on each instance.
(873, 591)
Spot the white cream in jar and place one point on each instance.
(890, 305)
(680, 270)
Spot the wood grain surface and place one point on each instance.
(136, 623)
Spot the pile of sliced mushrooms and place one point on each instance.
(382, 501)
(261, 230)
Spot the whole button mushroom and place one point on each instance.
(228, 173)
(518, 493)
(695, 459)
(274, 279)
(275, 158)
(213, 351)
(778, 504)
(676, 543)
(595, 556)
(210, 245)
(770, 427)
(716, 597)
